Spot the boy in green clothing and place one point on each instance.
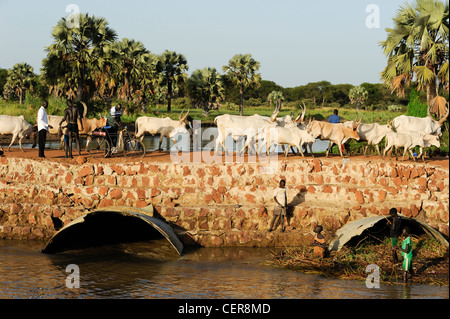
(406, 250)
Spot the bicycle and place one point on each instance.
(100, 144)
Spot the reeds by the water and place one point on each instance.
(430, 261)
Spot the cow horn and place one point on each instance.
(184, 118)
(443, 118)
(179, 117)
(273, 118)
(303, 113)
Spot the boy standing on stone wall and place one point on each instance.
(280, 198)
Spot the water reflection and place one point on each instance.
(153, 270)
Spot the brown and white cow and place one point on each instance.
(336, 133)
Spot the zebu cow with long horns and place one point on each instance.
(336, 133)
(426, 124)
(250, 127)
(166, 127)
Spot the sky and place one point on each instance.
(295, 41)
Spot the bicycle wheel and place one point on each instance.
(98, 147)
(134, 148)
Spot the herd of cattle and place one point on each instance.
(288, 131)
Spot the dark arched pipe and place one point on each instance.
(111, 225)
(357, 227)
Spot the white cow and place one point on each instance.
(17, 126)
(290, 136)
(237, 126)
(427, 124)
(372, 133)
(409, 140)
(166, 127)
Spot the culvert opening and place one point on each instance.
(376, 229)
(379, 232)
(109, 228)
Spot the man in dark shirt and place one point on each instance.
(394, 231)
(71, 117)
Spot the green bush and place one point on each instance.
(415, 106)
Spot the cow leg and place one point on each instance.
(12, 142)
(175, 143)
(20, 144)
(160, 142)
(310, 148)
(286, 152)
(422, 153)
(340, 149)
(300, 150)
(386, 149)
(329, 148)
(365, 149)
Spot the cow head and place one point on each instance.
(102, 121)
(181, 126)
(354, 129)
(431, 139)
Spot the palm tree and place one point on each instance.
(417, 49)
(206, 88)
(358, 95)
(19, 79)
(130, 59)
(77, 52)
(276, 97)
(241, 70)
(173, 70)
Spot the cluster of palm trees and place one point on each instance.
(87, 61)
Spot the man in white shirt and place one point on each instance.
(280, 197)
(42, 122)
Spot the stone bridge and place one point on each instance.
(221, 204)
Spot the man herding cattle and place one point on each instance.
(42, 122)
(71, 117)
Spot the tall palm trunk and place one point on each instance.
(80, 89)
(169, 96)
(20, 96)
(241, 102)
(431, 92)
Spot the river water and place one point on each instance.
(152, 270)
(206, 141)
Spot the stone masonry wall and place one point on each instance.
(220, 204)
